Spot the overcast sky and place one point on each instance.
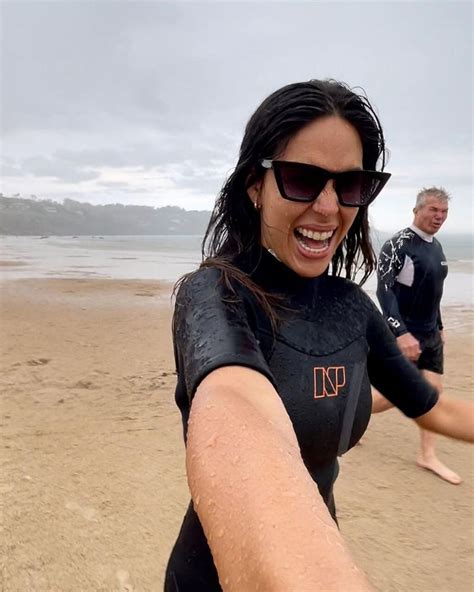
(145, 102)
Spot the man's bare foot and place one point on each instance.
(438, 468)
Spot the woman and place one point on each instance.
(275, 353)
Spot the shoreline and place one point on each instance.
(92, 464)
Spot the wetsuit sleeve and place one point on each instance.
(393, 374)
(212, 327)
(390, 263)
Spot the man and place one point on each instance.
(411, 272)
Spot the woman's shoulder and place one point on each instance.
(203, 278)
(209, 284)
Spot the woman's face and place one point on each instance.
(304, 236)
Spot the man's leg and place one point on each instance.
(427, 458)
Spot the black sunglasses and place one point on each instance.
(297, 181)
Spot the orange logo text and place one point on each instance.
(328, 381)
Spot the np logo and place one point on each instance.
(328, 381)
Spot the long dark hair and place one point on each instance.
(234, 227)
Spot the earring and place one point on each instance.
(256, 205)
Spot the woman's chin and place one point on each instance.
(310, 267)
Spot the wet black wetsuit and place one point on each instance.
(328, 349)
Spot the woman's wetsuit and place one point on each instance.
(331, 344)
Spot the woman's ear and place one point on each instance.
(254, 187)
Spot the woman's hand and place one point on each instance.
(266, 523)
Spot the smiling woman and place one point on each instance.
(305, 233)
(275, 353)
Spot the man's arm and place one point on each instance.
(390, 263)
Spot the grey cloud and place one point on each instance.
(124, 187)
(45, 167)
(162, 148)
(170, 86)
(71, 64)
(429, 177)
(9, 168)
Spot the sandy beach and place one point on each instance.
(92, 475)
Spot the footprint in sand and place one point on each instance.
(88, 513)
(123, 578)
(38, 362)
(85, 384)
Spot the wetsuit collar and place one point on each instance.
(274, 276)
(424, 235)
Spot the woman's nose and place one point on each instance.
(327, 203)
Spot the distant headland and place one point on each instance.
(32, 217)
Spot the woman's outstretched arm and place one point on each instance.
(450, 417)
(266, 523)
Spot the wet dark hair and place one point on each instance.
(234, 227)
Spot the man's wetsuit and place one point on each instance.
(411, 272)
(331, 344)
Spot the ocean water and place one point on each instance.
(115, 257)
(166, 258)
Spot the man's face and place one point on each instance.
(432, 215)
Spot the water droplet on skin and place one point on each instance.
(197, 500)
(220, 533)
(213, 474)
(211, 441)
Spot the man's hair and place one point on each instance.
(436, 192)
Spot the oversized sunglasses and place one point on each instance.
(297, 181)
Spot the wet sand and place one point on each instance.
(92, 479)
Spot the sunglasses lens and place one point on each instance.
(357, 188)
(301, 183)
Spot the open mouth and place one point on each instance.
(313, 241)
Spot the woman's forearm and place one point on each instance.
(265, 521)
(450, 417)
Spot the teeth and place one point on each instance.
(314, 235)
(311, 250)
